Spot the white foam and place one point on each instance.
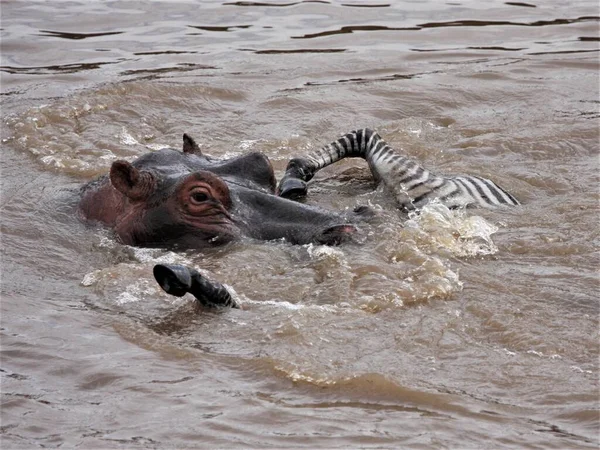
(454, 230)
(323, 251)
(89, 279)
(157, 147)
(126, 297)
(126, 138)
(247, 144)
(292, 306)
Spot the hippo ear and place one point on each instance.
(190, 146)
(135, 184)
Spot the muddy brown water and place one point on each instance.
(474, 329)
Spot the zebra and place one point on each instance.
(412, 185)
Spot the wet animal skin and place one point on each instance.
(187, 200)
(412, 186)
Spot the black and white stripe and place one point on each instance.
(412, 185)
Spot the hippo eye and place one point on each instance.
(199, 197)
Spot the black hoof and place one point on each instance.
(292, 188)
(175, 280)
(179, 280)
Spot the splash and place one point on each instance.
(453, 231)
(126, 138)
(126, 283)
(130, 281)
(53, 135)
(284, 305)
(136, 292)
(83, 134)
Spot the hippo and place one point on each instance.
(188, 200)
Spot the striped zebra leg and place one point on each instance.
(301, 170)
(412, 185)
(478, 191)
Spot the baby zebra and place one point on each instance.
(412, 185)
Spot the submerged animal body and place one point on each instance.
(411, 184)
(188, 200)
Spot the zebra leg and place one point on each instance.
(386, 165)
(294, 185)
(411, 184)
(301, 170)
(414, 186)
(478, 191)
(179, 280)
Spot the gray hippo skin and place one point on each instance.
(186, 200)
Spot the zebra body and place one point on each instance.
(412, 185)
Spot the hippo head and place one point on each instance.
(185, 200)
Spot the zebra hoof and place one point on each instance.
(173, 279)
(179, 280)
(292, 188)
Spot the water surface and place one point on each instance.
(446, 329)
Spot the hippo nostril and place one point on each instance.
(336, 234)
(365, 212)
(174, 279)
(362, 209)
